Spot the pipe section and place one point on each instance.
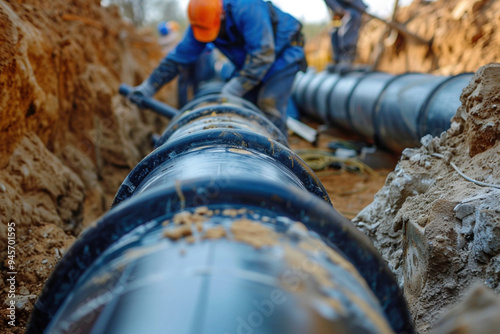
(391, 111)
(204, 237)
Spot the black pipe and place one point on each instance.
(228, 166)
(392, 111)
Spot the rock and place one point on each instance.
(24, 302)
(24, 291)
(409, 152)
(493, 272)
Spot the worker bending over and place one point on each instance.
(264, 44)
(345, 37)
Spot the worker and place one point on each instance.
(264, 44)
(191, 76)
(169, 35)
(345, 36)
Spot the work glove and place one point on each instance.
(234, 87)
(166, 71)
(144, 90)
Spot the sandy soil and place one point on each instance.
(67, 140)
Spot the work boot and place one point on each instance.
(330, 68)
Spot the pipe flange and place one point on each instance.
(220, 99)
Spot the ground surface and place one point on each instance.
(438, 231)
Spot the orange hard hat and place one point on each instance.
(205, 19)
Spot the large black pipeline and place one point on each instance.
(203, 237)
(392, 111)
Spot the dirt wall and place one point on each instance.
(67, 139)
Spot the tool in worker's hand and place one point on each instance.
(393, 24)
(150, 103)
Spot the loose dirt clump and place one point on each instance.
(253, 233)
(178, 232)
(439, 232)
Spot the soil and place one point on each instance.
(350, 190)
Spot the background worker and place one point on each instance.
(264, 44)
(345, 36)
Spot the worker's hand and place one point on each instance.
(140, 92)
(233, 87)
